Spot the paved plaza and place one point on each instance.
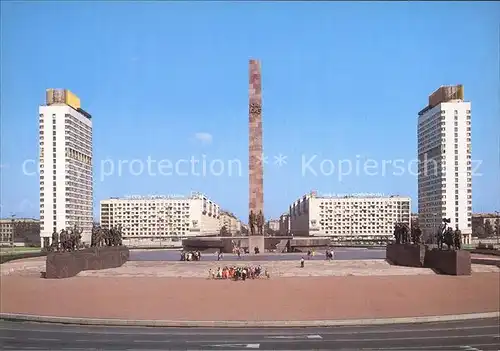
(275, 268)
(342, 253)
(322, 290)
(178, 269)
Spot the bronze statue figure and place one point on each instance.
(397, 233)
(401, 233)
(251, 222)
(445, 235)
(106, 236)
(64, 240)
(54, 246)
(416, 235)
(260, 223)
(405, 232)
(98, 236)
(457, 239)
(76, 238)
(70, 239)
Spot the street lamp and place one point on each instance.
(437, 219)
(497, 224)
(352, 215)
(13, 216)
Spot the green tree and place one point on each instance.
(224, 231)
(480, 232)
(488, 229)
(497, 227)
(27, 232)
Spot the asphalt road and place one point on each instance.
(464, 335)
(340, 254)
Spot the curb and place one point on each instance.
(486, 261)
(235, 324)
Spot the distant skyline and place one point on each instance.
(167, 86)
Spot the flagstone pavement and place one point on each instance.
(33, 266)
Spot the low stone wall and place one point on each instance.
(68, 264)
(485, 261)
(449, 261)
(271, 243)
(208, 245)
(8, 256)
(409, 255)
(305, 244)
(493, 252)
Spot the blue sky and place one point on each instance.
(342, 81)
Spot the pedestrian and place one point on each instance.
(302, 262)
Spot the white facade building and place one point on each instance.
(445, 164)
(66, 188)
(159, 218)
(284, 224)
(273, 226)
(231, 222)
(348, 216)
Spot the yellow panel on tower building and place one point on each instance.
(72, 100)
(460, 92)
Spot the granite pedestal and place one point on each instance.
(68, 264)
(256, 241)
(449, 261)
(409, 255)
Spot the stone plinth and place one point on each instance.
(449, 261)
(409, 255)
(256, 241)
(68, 264)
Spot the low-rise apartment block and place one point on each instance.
(162, 218)
(366, 217)
(19, 231)
(230, 222)
(273, 227)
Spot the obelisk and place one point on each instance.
(255, 152)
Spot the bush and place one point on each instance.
(6, 257)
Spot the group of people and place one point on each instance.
(237, 273)
(190, 256)
(329, 255)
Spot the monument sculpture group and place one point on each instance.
(256, 221)
(407, 250)
(67, 257)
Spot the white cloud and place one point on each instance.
(204, 138)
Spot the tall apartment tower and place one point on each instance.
(66, 188)
(445, 164)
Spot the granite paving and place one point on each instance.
(168, 269)
(275, 268)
